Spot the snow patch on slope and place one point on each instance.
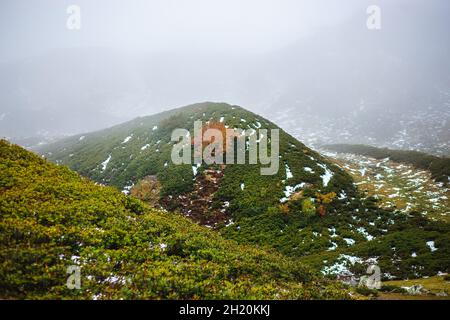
(105, 163)
(127, 139)
(326, 177)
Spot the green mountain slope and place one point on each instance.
(123, 155)
(52, 218)
(310, 210)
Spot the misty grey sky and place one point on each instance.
(32, 27)
(312, 66)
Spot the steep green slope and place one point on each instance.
(123, 155)
(52, 218)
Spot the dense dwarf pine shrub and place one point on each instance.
(51, 218)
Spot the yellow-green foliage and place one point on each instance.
(325, 198)
(52, 218)
(308, 207)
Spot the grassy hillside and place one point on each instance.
(438, 166)
(310, 210)
(122, 156)
(52, 218)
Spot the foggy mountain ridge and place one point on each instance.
(344, 84)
